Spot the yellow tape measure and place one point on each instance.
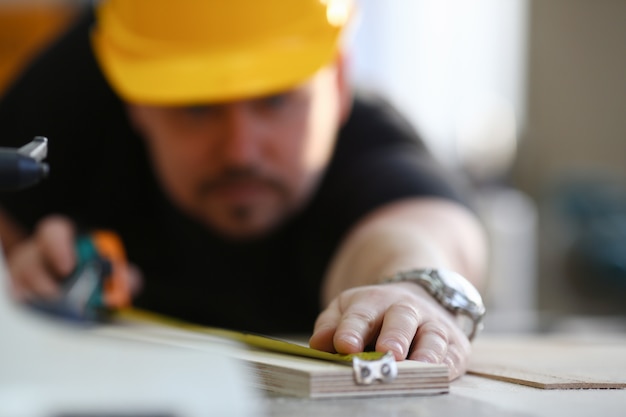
(368, 367)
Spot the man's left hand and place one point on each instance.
(398, 317)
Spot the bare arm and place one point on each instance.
(409, 234)
(401, 317)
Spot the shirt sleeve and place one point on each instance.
(379, 159)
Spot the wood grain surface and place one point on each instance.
(552, 362)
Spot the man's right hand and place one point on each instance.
(38, 264)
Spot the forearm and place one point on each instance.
(414, 233)
(401, 317)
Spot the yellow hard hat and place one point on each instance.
(176, 52)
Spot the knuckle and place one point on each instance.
(325, 319)
(430, 355)
(373, 292)
(360, 315)
(401, 323)
(434, 329)
(53, 221)
(407, 311)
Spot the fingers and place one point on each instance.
(432, 344)
(410, 324)
(55, 238)
(349, 324)
(398, 330)
(457, 359)
(36, 265)
(325, 328)
(361, 316)
(441, 342)
(30, 278)
(356, 329)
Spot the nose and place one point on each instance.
(241, 135)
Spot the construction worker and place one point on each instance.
(253, 189)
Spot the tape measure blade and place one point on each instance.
(250, 339)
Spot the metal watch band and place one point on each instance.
(454, 292)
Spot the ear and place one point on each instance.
(343, 87)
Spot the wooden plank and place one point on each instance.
(304, 377)
(292, 375)
(552, 362)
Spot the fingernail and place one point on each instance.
(351, 340)
(394, 346)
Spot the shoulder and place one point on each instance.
(379, 159)
(379, 143)
(375, 122)
(62, 80)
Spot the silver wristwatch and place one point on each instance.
(453, 292)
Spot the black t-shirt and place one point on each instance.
(102, 178)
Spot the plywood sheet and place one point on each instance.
(552, 362)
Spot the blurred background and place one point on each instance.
(526, 98)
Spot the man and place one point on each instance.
(221, 140)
